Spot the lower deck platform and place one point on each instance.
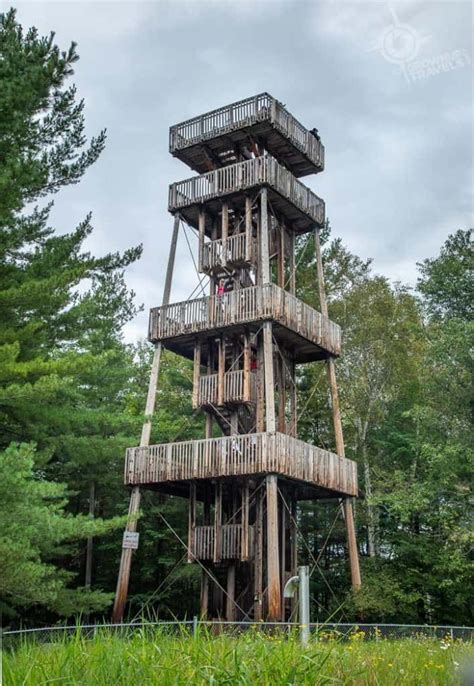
(171, 466)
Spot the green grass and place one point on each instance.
(155, 657)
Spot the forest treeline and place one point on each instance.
(72, 395)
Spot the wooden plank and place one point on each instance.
(224, 232)
(245, 552)
(273, 547)
(258, 557)
(230, 597)
(134, 506)
(191, 521)
(264, 265)
(269, 377)
(218, 523)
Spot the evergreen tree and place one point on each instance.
(65, 372)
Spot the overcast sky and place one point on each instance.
(398, 136)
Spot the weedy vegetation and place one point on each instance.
(156, 657)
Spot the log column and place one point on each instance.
(126, 558)
(336, 417)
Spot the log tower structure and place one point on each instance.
(244, 478)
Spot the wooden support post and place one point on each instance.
(234, 423)
(283, 555)
(90, 539)
(270, 424)
(352, 544)
(258, 557)
(221, 372)
(260, 414)
(230, 597)
(337, 423)
(218, 522)
(264, 251)
(281, 255)
(248, 228)
(247, 372)
(126, 558)
(204, 594)
(202, 233)
(291, 262)
(293, 549)
(225, 232)
(293, 400)
(244, 553)
(273, 546)
(192, 522)
(196, 374)
(281, 395)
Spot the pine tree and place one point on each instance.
(65, 372)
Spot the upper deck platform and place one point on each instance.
(205, 139)
(290, 198)
(296, 325)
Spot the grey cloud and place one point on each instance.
(399, 154)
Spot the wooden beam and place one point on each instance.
(134, 506)
(218, 522)
(283, 555)
(273, 547)
(281, 255)
(337, 423)
(202, 233)
(260, 408)
(221, 371)
(247, 372)
(196, 373)
(264, 250)
(352, 544)
(191, 521)
(230, 597)
(245, 553)
(269, 377)
(293, 548)
(90, 539)
(291, 262)
(248, 228)
(225, 232)
(204, 601)
(258, 556)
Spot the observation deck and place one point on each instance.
(209, 138)
(170, 466)
(299, 327)
(288, 197)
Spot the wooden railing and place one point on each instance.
(241, 306)
(245, 113)
(243, 176)
(230, 540)
(234, 389)
(244, 454)
(235, 252)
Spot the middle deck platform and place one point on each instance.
(289, 198)
(300, 328)
(170, 466)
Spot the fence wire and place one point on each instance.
(195, 626)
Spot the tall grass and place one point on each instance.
(156, 657)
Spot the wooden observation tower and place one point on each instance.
(244, 478)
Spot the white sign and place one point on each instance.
(130, 539)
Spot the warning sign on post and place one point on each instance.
(130, 539)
